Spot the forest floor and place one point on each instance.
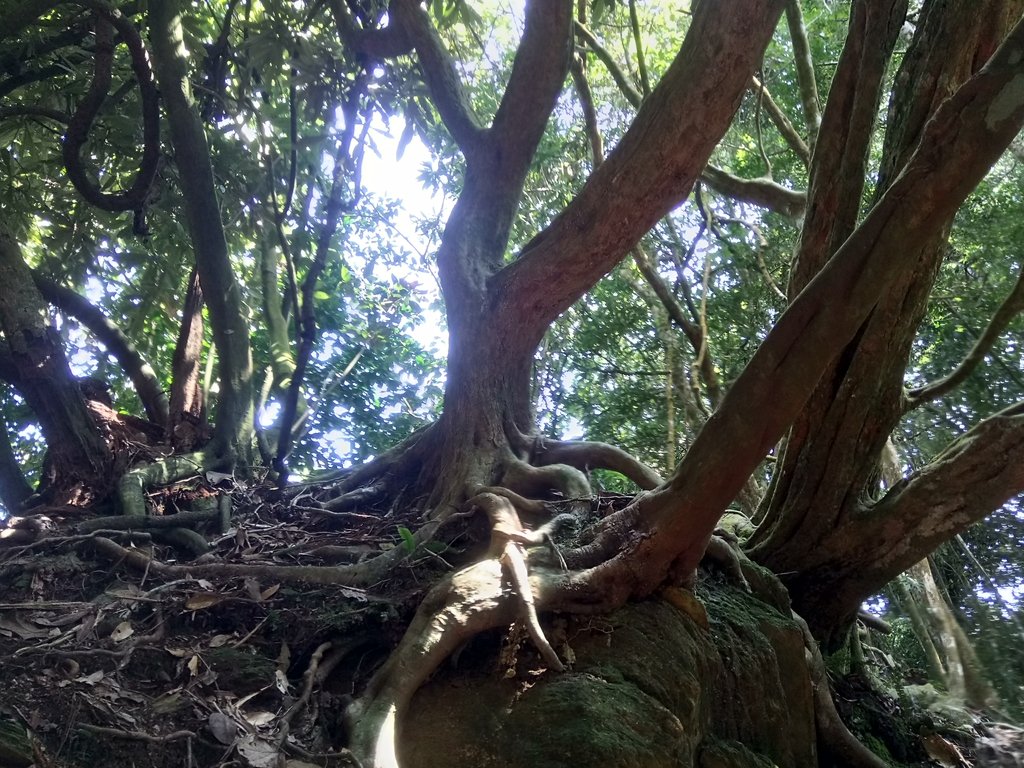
(109, 656)
(102, 656)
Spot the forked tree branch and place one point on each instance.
(966, 135)
(651, 170)
(839, 164)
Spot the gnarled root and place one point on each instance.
(463, 604)
(832, 732)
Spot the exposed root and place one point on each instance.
(832, 732)
(585, 456)
(469, 601)
(344, 575)
(124, 522)
(555, 479)
(131, 488)
(462, 605)
(508, 541)
(723, 550)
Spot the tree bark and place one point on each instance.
(829, 466)
(77, 452)
(234, 414)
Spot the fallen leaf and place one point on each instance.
(281, 681)
(219, 640)
(222, 727)
(260, 718)
(193, 665)
(201, 600)
(259, 752)
(122, 631)
(269, 592)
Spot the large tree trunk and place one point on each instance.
(77, 456)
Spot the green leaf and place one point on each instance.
(408, 540)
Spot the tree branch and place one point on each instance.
(223, 296)
(653, 167)
(761, 192)
(538, 72)
(633, 96)
(439, 72)
(1012, 306)
(142, 375)
(839, 165)
(804, 69)
(962, 485)
(693, 331)
(786, 128)
(966, 135)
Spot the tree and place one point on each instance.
(823, 392)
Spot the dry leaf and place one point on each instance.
(122, 631)
(269, 592)
(201, 600)
(222, 727)
(260, 718)
(219, 640)
(193, 665)
(281, 681)
(259, 752)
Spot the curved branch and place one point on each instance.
(653, 167)
(804, 69)
(786, 128)
(762, 192)
(133, 198)
(963, 484)
(1012, 306)
(143, 377)
(595, 455)
(440, 74)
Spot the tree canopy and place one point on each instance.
(753, 258)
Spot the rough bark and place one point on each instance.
(142, 375)
(964, 138)
(233, 431)
(187, 406)
(832, 452)
(77, 451)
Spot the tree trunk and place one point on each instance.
(828, 472)
(77, 452)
